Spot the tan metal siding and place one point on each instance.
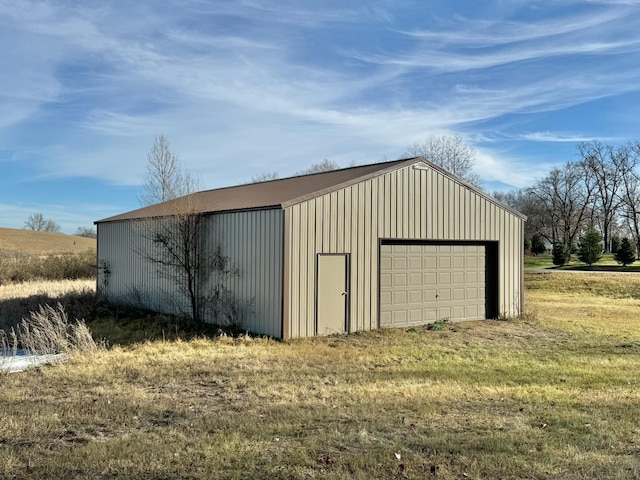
(132, 279)
(407, 203)
(253, 240)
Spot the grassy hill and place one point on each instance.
(42, 243)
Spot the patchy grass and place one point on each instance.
(552, 395)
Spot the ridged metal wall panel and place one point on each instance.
(132, 278)
(408, 203)
(253, 241)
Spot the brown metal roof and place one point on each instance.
(271, 194)
(284, 192)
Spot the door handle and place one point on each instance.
(344, 294)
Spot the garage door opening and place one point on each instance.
(422, 282)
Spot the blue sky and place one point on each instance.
(249, 86)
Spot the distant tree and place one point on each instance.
(88, 232)
(590, 246)
(527, 244)
(38, 223)
(562, 204)
(265, 177)
(626, 254)
(319, 167)
(538, 246)
(449, 152)
(166, 178)
(561, 254)
(605, 168)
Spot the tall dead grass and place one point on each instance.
(49, 331)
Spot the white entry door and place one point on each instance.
(332, 294)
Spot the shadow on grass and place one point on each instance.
(78, 304)
(110, 323)
(597, 268)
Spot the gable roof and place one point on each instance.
(281, 193)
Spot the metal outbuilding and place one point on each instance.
(392, 244)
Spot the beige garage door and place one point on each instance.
(423, 283)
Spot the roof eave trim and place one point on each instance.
(209, 212)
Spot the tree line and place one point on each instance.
(601, 189)
(38, 223)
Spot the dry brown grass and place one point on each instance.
(554, 395)
(29, 242)
(53, 289)
(17, 300)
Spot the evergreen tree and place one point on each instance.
(537, 245)
(590, 246)
(561, 254)
(626, 254)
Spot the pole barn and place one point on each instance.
(392, 244)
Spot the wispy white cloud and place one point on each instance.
(250, 85)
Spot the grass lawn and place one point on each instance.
(555, 394)
(605, 264)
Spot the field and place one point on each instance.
(555, 394)
(28, 242)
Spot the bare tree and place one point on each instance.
(88, 232)
(604, 165)
(628, 160)
(264, 177)
(563, 204)
(449, 152)
(165, 178)
(180, 240)
(38, 223)
(319, 167)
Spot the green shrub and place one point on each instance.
(561, 254)
(438, 324)
(626, 254)
(590, 247)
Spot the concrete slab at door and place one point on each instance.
(332, 294)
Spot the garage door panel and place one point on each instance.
(400, 263)
(444, 262)
(400, 279)
(458, 278)
(430, 278)
(429, 315)
(415, 297)
(458, 294)
(444, 278)
(400, 297)
(424, 283)
(415, 263)
(429, 263)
